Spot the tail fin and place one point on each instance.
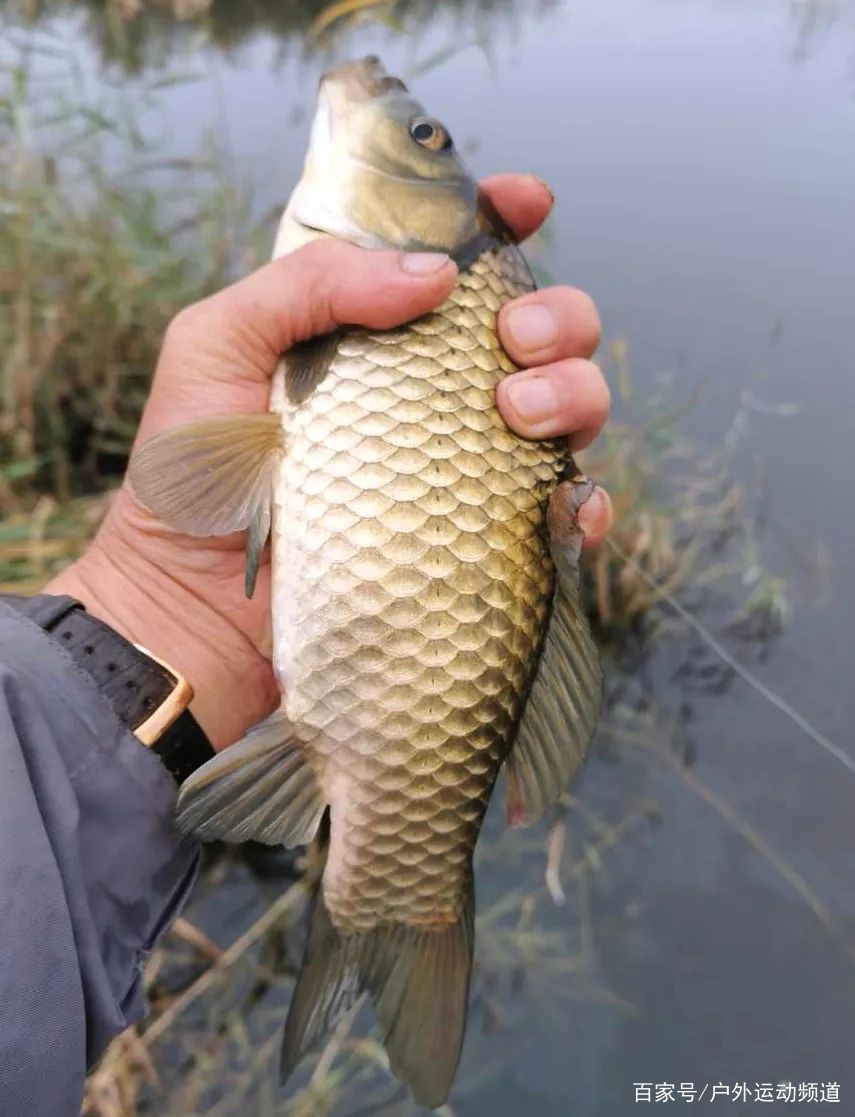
(418, 979)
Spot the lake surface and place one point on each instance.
(703, 157)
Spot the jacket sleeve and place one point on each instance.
(92, 871)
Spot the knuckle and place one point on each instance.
(320, 285)
(322, 257)
(314, 310)
(314, 255)
(324, 268)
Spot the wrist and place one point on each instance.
(232, 682)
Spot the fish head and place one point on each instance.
(380, 171)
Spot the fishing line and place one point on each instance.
(734, 664)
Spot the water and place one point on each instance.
(703, 156)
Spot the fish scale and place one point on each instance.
(412, 582)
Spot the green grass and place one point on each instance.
(102, 241)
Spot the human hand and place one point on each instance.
(183, 597)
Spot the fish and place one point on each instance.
(427, 630)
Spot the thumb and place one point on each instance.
(219, 354)
(331, 283)
(323, 285)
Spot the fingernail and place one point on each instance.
(424, 263)
(595, 516)
(532, 326)
(534, 398)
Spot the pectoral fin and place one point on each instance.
(256, 539)
(261, 789)
(307, 364)
(211, 477)
(563, 705)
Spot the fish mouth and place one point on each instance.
(363, 80)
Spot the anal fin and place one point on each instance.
(563, 705)
(261, 789)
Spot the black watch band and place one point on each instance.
(144, 692)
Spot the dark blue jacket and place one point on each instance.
(92, 871)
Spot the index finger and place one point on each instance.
(523, 201)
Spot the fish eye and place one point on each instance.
(430, 134)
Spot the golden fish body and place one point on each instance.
(412, 581)
(427, 628)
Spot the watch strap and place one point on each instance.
(145, 693)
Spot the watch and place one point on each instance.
(148, 696)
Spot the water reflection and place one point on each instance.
(134, 34)
(139, 33)
(816, 22)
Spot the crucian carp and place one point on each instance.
(427, 631)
